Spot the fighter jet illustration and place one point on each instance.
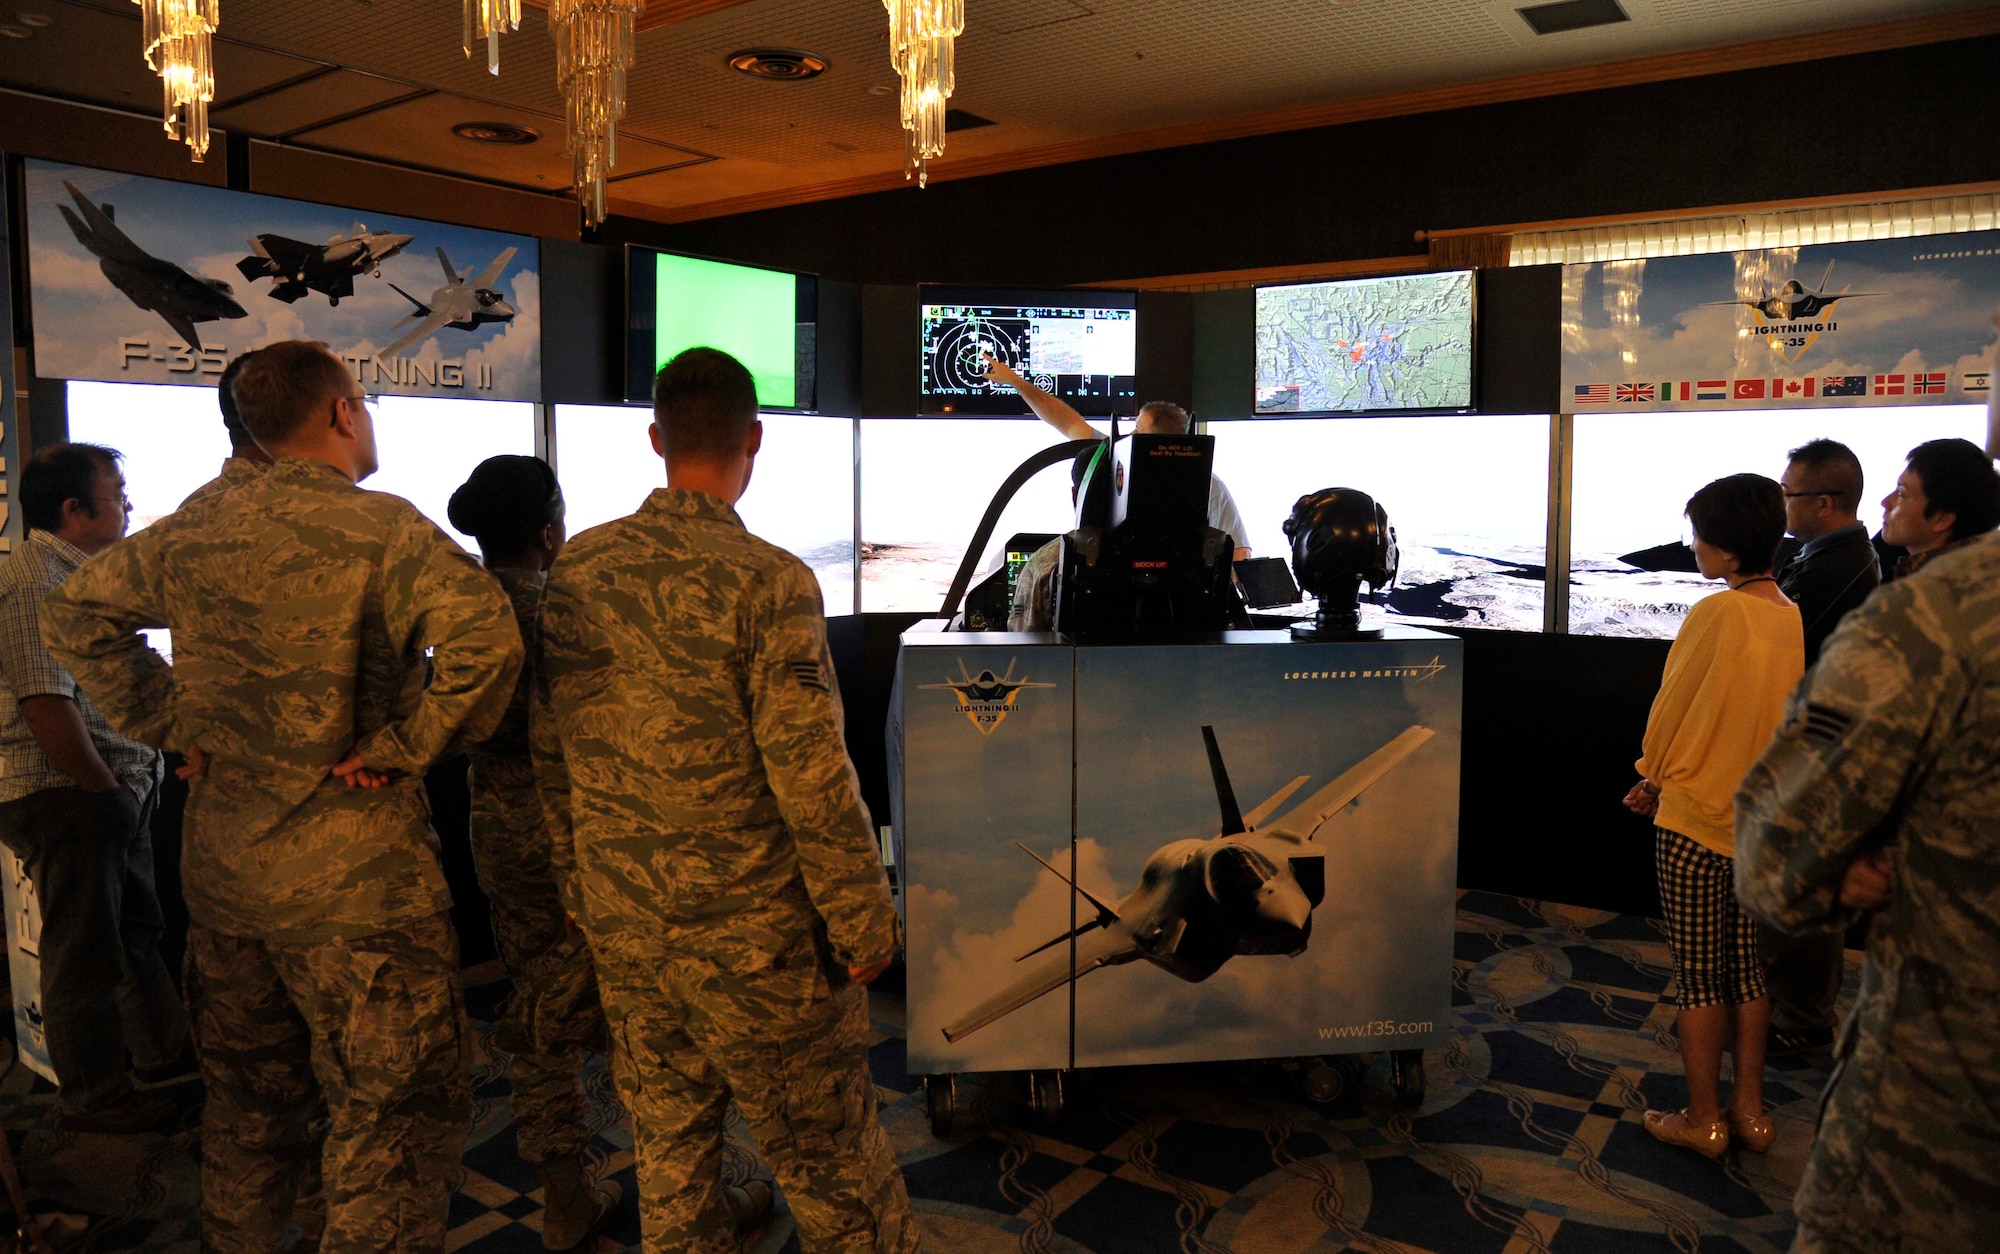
(1793, 302)
(986, 698)
(1250, 889)
(456, 304)
(154, 285)
(296, 267)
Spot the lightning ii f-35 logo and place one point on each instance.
(986, 698)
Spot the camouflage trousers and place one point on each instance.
(687, 1036)
(553, 1022)
(336, 1060)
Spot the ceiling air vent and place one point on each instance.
(1554, 19)
(506, 134)
(779, 65)
(960, 120)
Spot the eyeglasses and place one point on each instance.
(120, 499)
(1792, 495)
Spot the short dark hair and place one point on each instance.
(61, 473)
(1834, 470)
(282, 385)
(704, 402)
(505, 502)
(1744, 516)
(1958, 476)
(225, 399)
(1169, 417)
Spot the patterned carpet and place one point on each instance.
(1528, 1142)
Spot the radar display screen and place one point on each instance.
(1080, 347)
(1366, 345)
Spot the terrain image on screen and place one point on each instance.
(749, 313)
(1365, 346)
(1078, 354)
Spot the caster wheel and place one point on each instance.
(1045, 1097)
(940, 1101)
(1321, 1082)
(1406, 1076)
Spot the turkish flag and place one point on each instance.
(1749, 390)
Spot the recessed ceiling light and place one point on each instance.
(37, 21)
(12, 31)
(505, 134)
(881, 89)
(778, 65)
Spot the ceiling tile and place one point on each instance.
(418, 133)
(300, 105)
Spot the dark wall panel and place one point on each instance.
(1520, 344)
(1225, 354)
(839, 355)
(1912, 117)
(583, 323)
(1166, 348)
(892, 345)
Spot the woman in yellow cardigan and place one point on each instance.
(1737, 656)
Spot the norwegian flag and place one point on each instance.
(1630, 392)
(1593, 393)
(1889, 384)
(1931, 384)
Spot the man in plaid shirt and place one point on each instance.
(76, 805)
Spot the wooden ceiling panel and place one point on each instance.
(417, 132)
(304, 103)
(93, 54)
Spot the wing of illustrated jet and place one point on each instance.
(296, 268)
(1250, 889)
(157, 286)
(1794, 301)
(457, 304)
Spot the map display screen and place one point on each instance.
(1078, 346)
(1366, 345)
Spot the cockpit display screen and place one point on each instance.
(1079, 346)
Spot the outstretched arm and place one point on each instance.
(1056, 413)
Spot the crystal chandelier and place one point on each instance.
(594, 48)
(488, 20)
(177, 49)
(920, 47)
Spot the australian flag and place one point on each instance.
(1844, 385)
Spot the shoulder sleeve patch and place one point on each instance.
(807, 673)
(1826, 725)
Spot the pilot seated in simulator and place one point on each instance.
(1034, 606)
(1154, 418)
(1341, 538)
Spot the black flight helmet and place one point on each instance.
(1341, 538)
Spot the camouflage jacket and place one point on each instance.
(235, 470)
(687, 737)
(1893, 741)
(301, 609)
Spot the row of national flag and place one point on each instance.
(1909, 383)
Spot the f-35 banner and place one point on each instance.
(140, 280)
(1877, 322)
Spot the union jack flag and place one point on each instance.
(1593, 393)
(1629, 392)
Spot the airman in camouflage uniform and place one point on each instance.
(321, 960)
(553, 1022)
(1883, 787)
(246, 461)
(712, 843)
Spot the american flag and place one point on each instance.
(1593, 393)
(1931, 384)
(1629, 392)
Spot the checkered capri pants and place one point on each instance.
(1714, 941)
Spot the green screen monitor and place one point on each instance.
(766, 319)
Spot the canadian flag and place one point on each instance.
(1794, 387)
